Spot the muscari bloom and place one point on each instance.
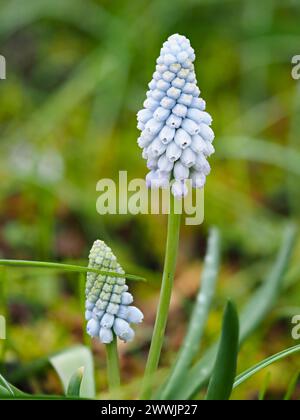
(108, 303)
(176, 136)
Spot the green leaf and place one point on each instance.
(42, 397)
(221, 382)
(198, 320)
(75, 383)
(263, 300)
(4, 392)
(253, 314)
(258, 150)
(291, 387)
(263, 364)
(66, 267)
(264, 388)
(6, 386)
(69, 361)
(7, 389)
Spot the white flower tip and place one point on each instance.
(93, 328)
(106, 335)
(126, 298)
(134, 315)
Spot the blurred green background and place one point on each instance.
(77, 73)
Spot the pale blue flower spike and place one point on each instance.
(175, 129)
(107, 298)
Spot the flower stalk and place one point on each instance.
(113, 368)
(164, 300)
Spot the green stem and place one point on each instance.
(164, 300)
(113, 369)
(81, 292)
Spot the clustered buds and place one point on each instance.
(108, 303)
(176, 136)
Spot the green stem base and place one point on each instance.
(113, 369)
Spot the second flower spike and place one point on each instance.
(176, 136)
(108, 302)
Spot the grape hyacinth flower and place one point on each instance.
(176, 136)
(108, 302)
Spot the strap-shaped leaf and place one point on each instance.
(198, 320)
(221, 382)
(69, 361)
(259, 150)
(8, 390)
(291, 386)
(75, 383)
(263, 364)
(253, 314)
(264, 388)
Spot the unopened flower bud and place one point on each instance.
(190, 126)
(105, 335)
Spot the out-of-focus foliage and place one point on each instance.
(77, 72)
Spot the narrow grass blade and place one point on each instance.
(263, 364)
(4, 392)
(262, 301)
(265, 386)
(221, 382)
(258, 150)
(291, 387)
(66, 267)
(75, 383)
(197, 324)
(4, 384)
(7, 389)
(253, 314)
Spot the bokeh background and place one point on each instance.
(77, 72)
